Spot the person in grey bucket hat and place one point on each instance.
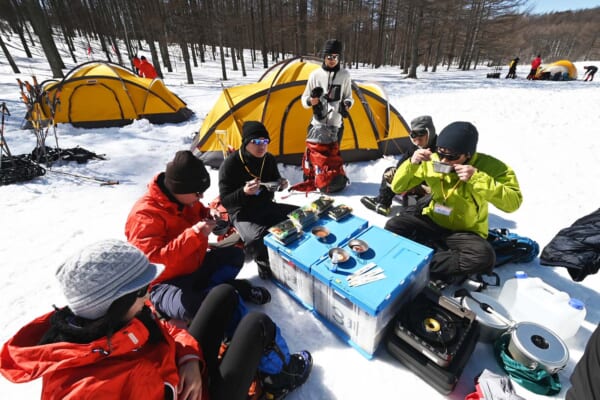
(94, 278)
(463, 183)
(107, 343)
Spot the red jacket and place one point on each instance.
(147, 70)
(162, 229)
(536, 63)
(132, 370)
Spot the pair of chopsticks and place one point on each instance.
(367, 274)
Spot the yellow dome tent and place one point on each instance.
(374, 127)
(102, 94)
(561, 70)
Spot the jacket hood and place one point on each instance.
(23, 360)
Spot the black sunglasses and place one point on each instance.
(332, 56)
(418, 133)
(142, 292)
(448, 156)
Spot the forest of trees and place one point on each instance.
(404, 33)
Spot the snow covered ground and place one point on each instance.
(545, 130)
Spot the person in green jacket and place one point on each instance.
(455, 222)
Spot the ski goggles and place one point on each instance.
(447, 155)
(259, 142)
(418, 133)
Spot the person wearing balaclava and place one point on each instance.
(455, 222)
(172, 227)
(248, 179)
(329, 92)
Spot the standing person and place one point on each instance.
(455, 222)
(422, 136)
(146, 69)
(171, 226)
(512, 68)
(590, 71)
(136, 64)
(107, 343)
(250, 205)
(535, 64)
(328, 92)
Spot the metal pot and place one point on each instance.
(491, 325)
(536, 346)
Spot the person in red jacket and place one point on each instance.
(107, 344)
(172, 227)
(146, 69)
(535, 64)
(136, 64)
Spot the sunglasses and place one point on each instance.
(416, 134)
(259, 142)
(448, 156)
(332, 56)
(142, 292)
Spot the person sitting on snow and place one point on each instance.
(171, 226)
(250, 204)
(108, 344)
(455, 222)
(422, 136)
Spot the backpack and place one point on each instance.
(323, 169)
(512, 248)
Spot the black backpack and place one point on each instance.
(512, 248)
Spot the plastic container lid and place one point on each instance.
(576, 304)
(520, 274)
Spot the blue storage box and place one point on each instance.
(360, 314)
(291, 263)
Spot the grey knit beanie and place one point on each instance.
(100, 273)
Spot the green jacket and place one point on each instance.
(493, 182)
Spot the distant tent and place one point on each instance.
(565, 69)
(102, 94)
(374, 128)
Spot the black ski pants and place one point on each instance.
(456, 254)
(230, 378)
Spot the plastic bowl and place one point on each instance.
(358, 246)
(338, 255)
(320, 232)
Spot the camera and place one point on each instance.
(442, 168)
(319, 110)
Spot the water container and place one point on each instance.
(531, 299)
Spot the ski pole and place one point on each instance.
(103, 182)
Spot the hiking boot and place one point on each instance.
(264, 269)
(372, 204)
(259, 295)
(293, 375)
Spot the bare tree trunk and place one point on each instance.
(44, 33)
(414, 58)
(9, 57)
(186, 60)
(155, 59)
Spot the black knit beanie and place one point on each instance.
(460, 137)
(333, 46)
(253, 130)
(186, 174)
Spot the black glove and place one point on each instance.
(317, 92)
